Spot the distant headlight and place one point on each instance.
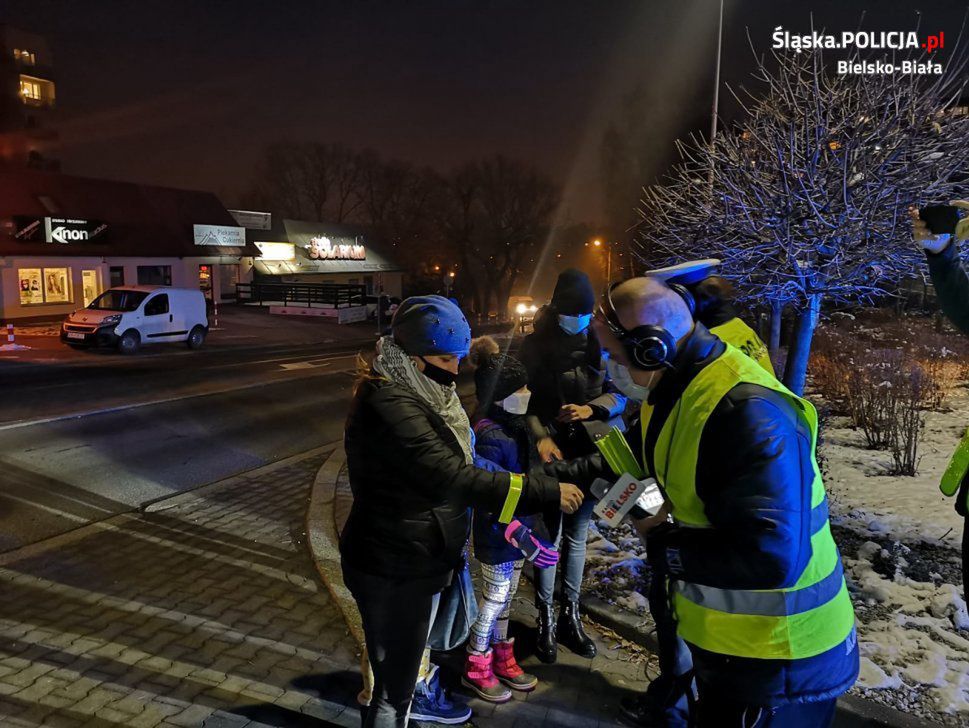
(521, 308)
(533, 308)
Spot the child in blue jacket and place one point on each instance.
(503, 441)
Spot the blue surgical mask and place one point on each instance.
(623, 380)
(575, 324)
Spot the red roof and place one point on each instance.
(141, 220)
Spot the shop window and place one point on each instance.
(44, 285)
(154, 275)
(89, 285)
(116, 276)
(157, 306)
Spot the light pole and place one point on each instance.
(600, 244)
(448, 282)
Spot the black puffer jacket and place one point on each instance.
(566, 369)
(412, 489)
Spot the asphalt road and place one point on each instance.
(83, 440)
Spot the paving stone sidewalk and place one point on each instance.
(207, 612)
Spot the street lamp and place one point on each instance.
(597, 243)
(448, 282)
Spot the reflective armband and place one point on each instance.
(511, 500)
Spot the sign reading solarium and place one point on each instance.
(62, 230)
(322, 248)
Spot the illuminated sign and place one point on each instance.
(276, 251)
(221, 235)
(322, 248)
(65, 230)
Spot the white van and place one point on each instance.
(129, 316)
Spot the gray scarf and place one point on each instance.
(393, 363)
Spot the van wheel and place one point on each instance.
(129, 342)
(196, 337)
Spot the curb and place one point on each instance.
(323, 540)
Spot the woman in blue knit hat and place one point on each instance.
(410, 459)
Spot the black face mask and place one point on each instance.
(436, 374)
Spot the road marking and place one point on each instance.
(55, 511)
(303, 365)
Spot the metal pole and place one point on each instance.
(716, 80)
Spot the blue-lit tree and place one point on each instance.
(805, 200)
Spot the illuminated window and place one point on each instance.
(36, 91)
(25, 57)
(44, 285)
(30, 89)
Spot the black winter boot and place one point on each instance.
(546, 648)
(570, 631)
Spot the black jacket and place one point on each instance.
(566, 369)
(412, 489)
(754, 475)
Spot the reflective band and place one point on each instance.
(819, 516)
(765, 603)
(511, 500)
(618, 455)
(957, 468)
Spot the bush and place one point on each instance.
(883, 391)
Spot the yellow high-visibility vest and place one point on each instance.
(739, 335)
(807, 619)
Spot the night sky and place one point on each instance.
(188, 93)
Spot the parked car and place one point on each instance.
(129, 316)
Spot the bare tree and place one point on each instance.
(806, 199)
(308, 181)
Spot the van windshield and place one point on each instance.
(118, 300)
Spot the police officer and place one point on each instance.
(715, 309)
(757, 583)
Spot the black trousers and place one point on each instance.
(716, 710)
(396, 616)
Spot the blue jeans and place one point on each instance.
(573, 531)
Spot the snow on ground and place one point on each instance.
(900, 506)
(899, 539)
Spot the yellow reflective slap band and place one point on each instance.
(956, 471)
(618, 455)
(511, 500)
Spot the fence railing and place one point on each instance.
(334, 295)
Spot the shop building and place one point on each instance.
(299, 251)
(65, 239)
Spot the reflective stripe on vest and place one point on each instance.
(739, 335)
(807, 619)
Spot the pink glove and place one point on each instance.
(542, 554)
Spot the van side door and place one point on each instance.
(158, 321)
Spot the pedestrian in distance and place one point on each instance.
(410, 460)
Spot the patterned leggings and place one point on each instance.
(500, 585)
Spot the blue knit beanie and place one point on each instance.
(431, 325)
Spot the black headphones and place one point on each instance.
(648, 347)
